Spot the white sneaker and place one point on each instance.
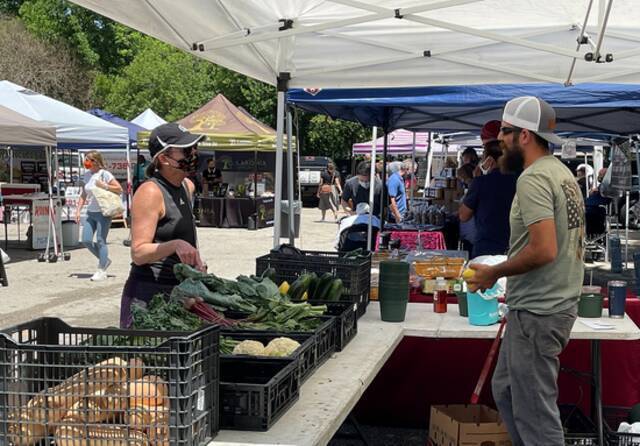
(99, 276)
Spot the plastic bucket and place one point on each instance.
(393, 290)
(590, 305)
(70, 233)
(482, 311)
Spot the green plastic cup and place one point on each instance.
(393, 290)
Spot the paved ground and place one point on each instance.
(64, 289)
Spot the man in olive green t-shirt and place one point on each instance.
(544, 274)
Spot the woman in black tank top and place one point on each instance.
(163, 230)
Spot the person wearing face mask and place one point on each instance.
(488, 202)
(544, 271)
(163, 231)
(356, 189)
(96, 225)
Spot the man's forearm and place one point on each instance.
(529, 259)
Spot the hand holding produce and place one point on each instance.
(483, 278)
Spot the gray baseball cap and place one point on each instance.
(534, 114)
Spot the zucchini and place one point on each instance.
(313, 286)
(324, 284)
(298, 287)
(335, 290)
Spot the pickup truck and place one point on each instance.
(309, 177)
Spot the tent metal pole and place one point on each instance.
(10, 164)
(292, 237)
(129, 185)
(626, 230)
(412, 176)
(372, 175)
(427, 180)
(277, 203)
(298, 158)
(383, 179)
(583, 31)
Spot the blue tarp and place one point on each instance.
(581, 109)
(130, 126)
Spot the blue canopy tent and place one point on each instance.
(132, 128)
(582, 109)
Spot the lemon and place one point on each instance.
(468, 273)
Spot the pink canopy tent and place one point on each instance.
(400, 143)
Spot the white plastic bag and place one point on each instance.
(5, 256)
(500, 288)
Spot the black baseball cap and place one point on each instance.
(171, 135)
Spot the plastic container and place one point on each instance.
(482, 310)
(393, 290)
(39, 355)
(613, 416)
(305, 354)
(345, 324)
(615, 254)
(590, 305)
(440, 296)
(70, 233)
(355, 273)
(254, 393)
(617, 293)
(579, 430)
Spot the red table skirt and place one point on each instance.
(423, 371)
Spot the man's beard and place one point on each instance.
(512, 159)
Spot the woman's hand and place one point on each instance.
(188, 254)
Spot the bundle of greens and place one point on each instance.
(162, 314)
(257, 298)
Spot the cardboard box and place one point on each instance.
(467, 425)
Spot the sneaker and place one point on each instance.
(99, 275)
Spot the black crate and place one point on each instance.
(613, 416)
(37, 357)
(354, 272)
(346, 323)
(579, 430)
(254, 394)
(305, 354)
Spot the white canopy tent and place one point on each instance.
(395, 43)
(148, 119)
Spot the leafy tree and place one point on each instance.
(332, 137)
(50, 69)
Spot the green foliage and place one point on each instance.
(125, 72)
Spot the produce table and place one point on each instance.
(328, 397)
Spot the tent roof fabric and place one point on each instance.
(148, 120)
(585, 108)
(220, 117)
(74, 128)
(394, 43)
(400, 142)
(132, 128)
(17, 130)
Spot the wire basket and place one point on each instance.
(79, 386)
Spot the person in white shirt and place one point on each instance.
(96, 224)
(361, 218)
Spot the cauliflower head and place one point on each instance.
(281, 347)
(249, 347)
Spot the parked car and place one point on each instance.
(311, 168)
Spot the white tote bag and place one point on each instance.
(110, 203)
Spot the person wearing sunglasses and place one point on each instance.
(163, 231)
(544, 271)
(96, 225)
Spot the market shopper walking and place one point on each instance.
(329, 185)
(163, 231)
(96, 225)
(545, 272)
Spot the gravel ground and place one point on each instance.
(64, 290)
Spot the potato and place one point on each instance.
(149, 391)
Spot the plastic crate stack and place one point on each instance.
(72, 385)
(355, 273)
